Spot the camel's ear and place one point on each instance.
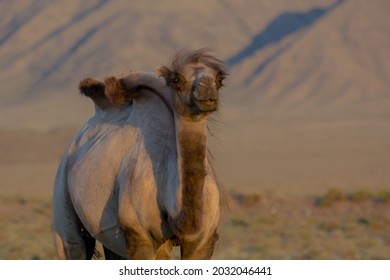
(164, 72)
(91, 87)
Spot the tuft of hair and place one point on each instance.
(115, 90)
(198, 56)
(91, 87)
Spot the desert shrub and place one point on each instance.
(331, 197)
(239, 222)
(363, 221)
(334, 195)
(382, 196)
(360, 196)
(247, 200)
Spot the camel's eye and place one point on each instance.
(220, 80)
(175, 80)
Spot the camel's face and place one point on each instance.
(195, 80)
(196, 88)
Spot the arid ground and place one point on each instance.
(258, 226)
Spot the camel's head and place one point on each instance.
(196, 79)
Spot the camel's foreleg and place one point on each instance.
(199, 249)
(139, 246)
(164, 252)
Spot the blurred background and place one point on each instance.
(302, 138)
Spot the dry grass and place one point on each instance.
(280, 227)
(25, 230)
(258, 226)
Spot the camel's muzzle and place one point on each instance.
(205, 94)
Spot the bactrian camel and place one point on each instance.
(137, 177)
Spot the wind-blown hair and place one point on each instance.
(203, 55)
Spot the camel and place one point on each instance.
(138, 176)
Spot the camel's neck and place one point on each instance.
(191, 139)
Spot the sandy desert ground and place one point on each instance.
(258, 226)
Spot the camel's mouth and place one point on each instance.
(208, 105)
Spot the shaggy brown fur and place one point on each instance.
(116, 91)
(196, 96)
(91, 87)
(119, 91)
(94, 89)
(193, 155)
